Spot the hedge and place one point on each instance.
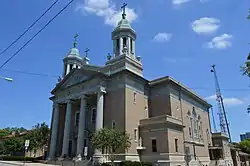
(18, 158)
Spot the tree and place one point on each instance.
(110, 141)
(3, 133)
(38, 137)
(245, 145)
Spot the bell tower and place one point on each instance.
(73, 59)
(124, 55)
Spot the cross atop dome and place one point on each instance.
(124, 10)
(75, 40)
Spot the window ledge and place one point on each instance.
(140, 148)
(195, 142)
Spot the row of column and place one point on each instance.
(130, 43)
(67, 66)
(68, 123)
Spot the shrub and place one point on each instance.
(18, 158)
(135, 163)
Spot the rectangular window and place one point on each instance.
(191, 128)
(77, 117)
(135, 134)
(134, 97)
(113, 124)
(196, 132)
(176, 145)
(93, 116)
(154, 145)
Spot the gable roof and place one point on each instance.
(186, 89)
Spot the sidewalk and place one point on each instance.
(21, 163)
(11, 162)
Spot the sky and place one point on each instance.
(177, 38)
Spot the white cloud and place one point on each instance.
(221, 42)
(108, 10)
(179, 2)
(162, 37)
(203, 1)
(231, 101)
(205, 25)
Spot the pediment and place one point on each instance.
(74, 77)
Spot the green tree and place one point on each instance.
(110, 141)
(14, 144)
(15, 129)
(39, 136)
(245, 145)
(3, 133)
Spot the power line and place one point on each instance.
(47, 75)
(30, 73)
(28, 28)
(35, 34)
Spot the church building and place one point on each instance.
(167, 122)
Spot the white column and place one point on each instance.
(99, 115)
(114, 47)
(74, 66)
(68, 69)
(121, 45)
(81, 129)
(99, 112)
(133, 43)
(129, 46)
(67, 127)
(53, 138)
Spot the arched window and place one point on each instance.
(195, 124)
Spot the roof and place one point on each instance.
(92, 72)
(186, 89)
(12, 135)
(124, 24)
(74, 52)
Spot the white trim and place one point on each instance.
(152, 138)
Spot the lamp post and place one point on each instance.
(6, 78)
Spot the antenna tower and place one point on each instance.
(221, 109)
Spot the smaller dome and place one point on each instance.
(123, 24)
(74, 51)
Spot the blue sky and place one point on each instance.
(179, 38)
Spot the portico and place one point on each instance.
(78, 108)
